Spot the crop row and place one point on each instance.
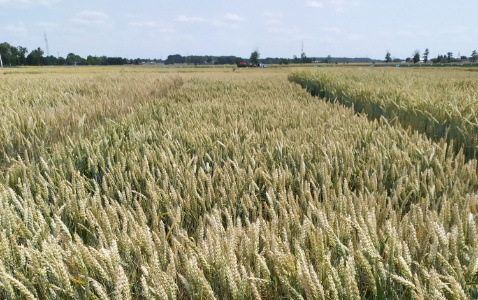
(441, 104)
(228, 186)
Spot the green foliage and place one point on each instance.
(11, 56)
(254, 59)
(449, 57)
(388, 57)
(35, 57)
(416, 56)
(304, 59)
(425, 55)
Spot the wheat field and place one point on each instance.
(442, 103)
(146, 183)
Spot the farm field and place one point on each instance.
(145, 183)
(440, 102)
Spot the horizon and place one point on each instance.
(154, 30)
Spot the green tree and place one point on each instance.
(61, 61)
(73, 59)
(15, 56)
(9, 54)
(304, 59)
(416, 56)
(254, 59)
(91, 60)
(474, 56)
(174, 59)
(49, 60)
(449, 56)
(425, 55)
(22, 54)
(388, 57)
(35, 57)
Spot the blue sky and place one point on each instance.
(154, 29)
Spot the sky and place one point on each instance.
(275, 28)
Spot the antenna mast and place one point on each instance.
(47, 49)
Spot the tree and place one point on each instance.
(304, 59)
(35, 57)
(416, 56)
(327, 60)
(425, 55)
(439, 59)
(254, 59)
(174, 59)
(92, 60)
(73, 59)
(49, 60)
(388, 57)
(449, 56)
(22, 54)
(10, 54)
(474, 56)
(61, 61)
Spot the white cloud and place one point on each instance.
(45, 2)
(144, 24)
(47, 25)
(28, 3)
(337, 5)
(332, 30)
(405, 33)
(271, 14)
(336, 2)
(273, 18)
(17, 29)
(281, 30)
(234, 17)
(356, 37)
(228, 20)
(187, 19)
(92, 18)
(150, 25)
(273, 22)
(311, 3)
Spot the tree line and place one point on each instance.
(18, 56)
(441, 58)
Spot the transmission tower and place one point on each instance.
(47, 49)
